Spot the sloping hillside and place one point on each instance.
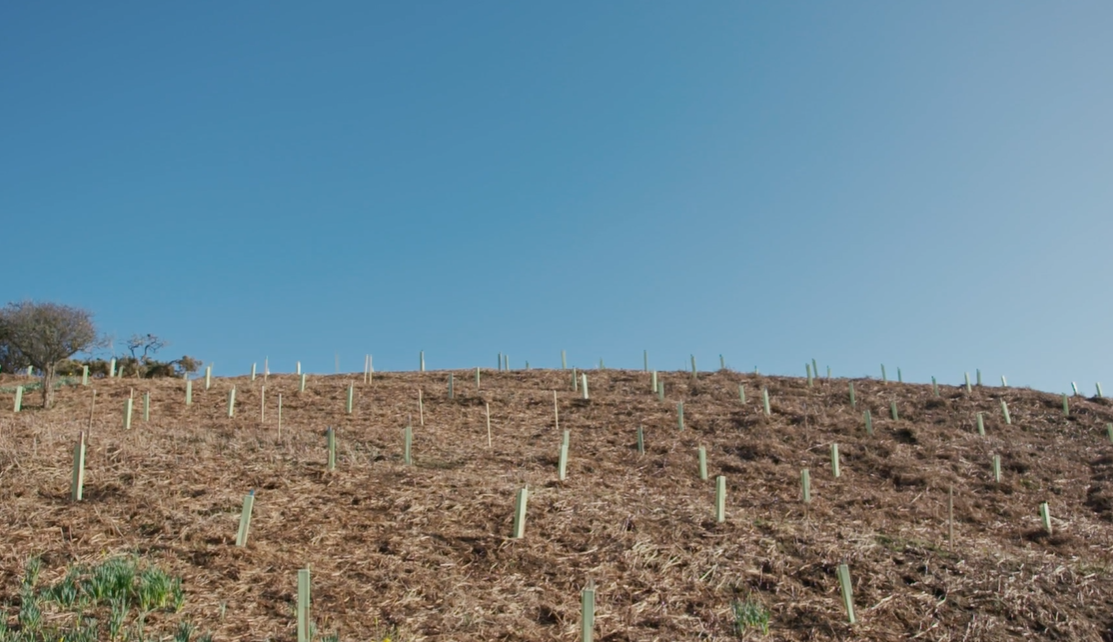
(426, 549)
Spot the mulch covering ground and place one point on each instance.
(427, 548)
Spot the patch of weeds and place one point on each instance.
(117, 594)
(750, 614)
(155, 589)
(184, 631)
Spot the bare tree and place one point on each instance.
(45, 334)
(149, 344)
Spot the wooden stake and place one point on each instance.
(93, 404)
(488, 406)
(951, 516)
(280, 415)
(332, 449)
(407, 445)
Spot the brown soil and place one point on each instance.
(426, 548)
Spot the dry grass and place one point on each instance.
(426, 549)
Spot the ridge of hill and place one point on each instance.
(425, 550)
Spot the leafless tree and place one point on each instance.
(45, 334)
(146, 345)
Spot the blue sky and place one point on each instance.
(925, 185)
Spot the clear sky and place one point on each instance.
(922, 184)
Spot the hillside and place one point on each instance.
(426, 549)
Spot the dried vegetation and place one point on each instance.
(424, 551)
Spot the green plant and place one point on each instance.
(155, 589)
(73, 608)
(184, 631)
(750, 614)
(30, 614)
(33, 568)
(119, 612)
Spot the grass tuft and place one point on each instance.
(750, 614)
